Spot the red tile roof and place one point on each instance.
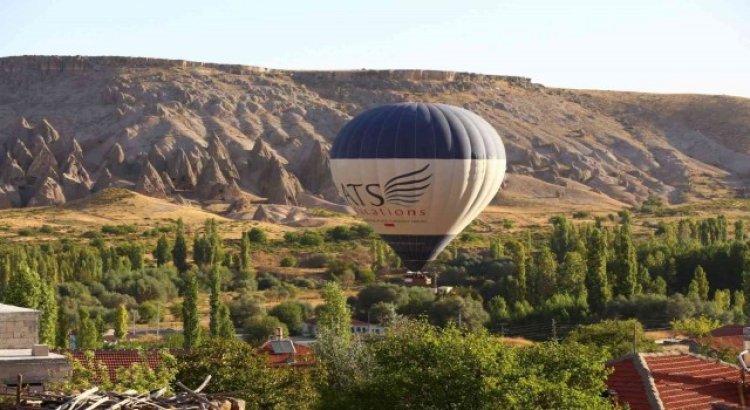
(303, 355)
(677, 380)
(728, 337)
(117, 359)
(626, 384)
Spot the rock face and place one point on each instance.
(48, 193)
(215, 132)
(150, 182)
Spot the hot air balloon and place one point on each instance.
(418, 174)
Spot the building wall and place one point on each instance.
(19, 330)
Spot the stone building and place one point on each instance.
(20, 352)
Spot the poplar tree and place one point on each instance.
(699, 286)
(518, 254)
(62, 336)
(214, 301)
(599, 293)
(121, 322)
(48, 314)
(87, 335)
(224, 326)
(573, 275)
(245, 255)
(190, 319)
(334, 317)
(25, 290)
(162, 253)
(545, 275)
(626, 274)
(179, 252)
(739, 230)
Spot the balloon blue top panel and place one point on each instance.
(416, 130)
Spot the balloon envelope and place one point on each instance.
(418, 173)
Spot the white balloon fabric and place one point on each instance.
(418, 174)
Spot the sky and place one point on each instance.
(688, 46)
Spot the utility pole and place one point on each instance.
(158, 318)
(554, 331)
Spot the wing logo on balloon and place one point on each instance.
(406, 189)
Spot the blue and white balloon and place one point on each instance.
(418, 173)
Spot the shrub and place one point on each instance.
(118, 229)
(288, 262)
(257, 235)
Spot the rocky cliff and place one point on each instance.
(175, 129)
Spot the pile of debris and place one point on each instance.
(95, 399)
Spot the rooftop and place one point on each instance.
(286, 351)
(16, 355)
(675, 380)
(14, 309)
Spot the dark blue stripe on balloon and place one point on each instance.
(416, 130)
(416, 250)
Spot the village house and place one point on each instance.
(358, 327)
(21, 354)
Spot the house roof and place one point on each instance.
(117, 359)
(15, 309)
(285, 351)
(674, 380)
(727, 337)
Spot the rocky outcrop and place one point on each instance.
(48, 193)
(181, 171)
(11, 172)
(9, 196)
(218, 151)
(150, 183)
(212, 183)
(313, 171)
(105, 180)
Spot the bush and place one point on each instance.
(257, 235)
(268, 281)
(288, 262)
(118, 229)
(26, 232)
(148, 311)
(316, 261)
(260, 328)
(581, 214)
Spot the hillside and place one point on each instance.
(232, 137)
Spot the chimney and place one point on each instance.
(279, 333)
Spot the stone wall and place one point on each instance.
(19, 329)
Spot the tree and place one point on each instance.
(573, 275)
(224, 325)
(599, 293)
(626, 272)
(722, 299)
(234, 366)
(121, 322)
(334, 316)
(48, 315)
(519, 255)
(62, 336)
(462, 312)
(292, 313)
(545, 275)
(383, 313)
(260, 327)
(475, 372)
(696, 327)
(562, 239)
(162, 253)
(190, 318)
(614, 336)
(25, 290)
(739, 230)
(245, 256)
(213, 301)
(699, 286)
(179, 252)
(257, 235)
(88, 336)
